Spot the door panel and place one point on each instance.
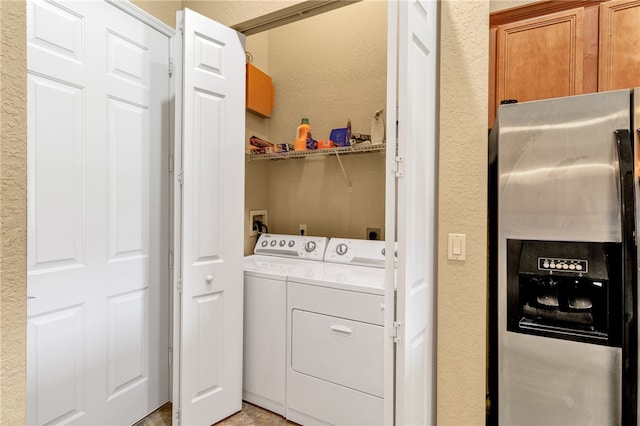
(541, 58)
(59, 335)
(128, 168)
(97, 215)
(127, 357)
(208, 326)
(618, 61)
(411, 203)
(55, 123)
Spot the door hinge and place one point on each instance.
(181, 26)
(393, 332)
(178, 415)
(180, 178)
(171, 163)
(170, 357)
(170, 259)
(179, 285)
(398, 166)
(170, 67)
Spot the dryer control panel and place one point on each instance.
(294, 246)
(356, 252)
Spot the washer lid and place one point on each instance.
(270, 264)
(346, 277)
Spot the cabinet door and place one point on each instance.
(619, 34)
(541, 57)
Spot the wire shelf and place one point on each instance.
(355, 149)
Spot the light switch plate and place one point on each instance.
(457, 249)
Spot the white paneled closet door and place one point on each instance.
(98, 138)
(210, 201)
(411, 211)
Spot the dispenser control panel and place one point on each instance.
(563, 265)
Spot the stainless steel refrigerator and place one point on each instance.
(563, 283)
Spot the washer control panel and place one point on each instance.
(356, 252)
(295, 246)
(562, 265)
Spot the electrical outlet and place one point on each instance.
(257, 215)
(373, 234)
(303, 229)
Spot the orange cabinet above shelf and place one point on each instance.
(260, 92)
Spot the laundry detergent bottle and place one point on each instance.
(304, 132)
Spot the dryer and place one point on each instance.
(335, 336)
(265, 294)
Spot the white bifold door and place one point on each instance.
(98, 223)
(411, 215)
(209, 181)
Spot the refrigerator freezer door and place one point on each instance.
(568, 383)
(558, 170)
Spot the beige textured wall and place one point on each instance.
(255, 182)
(329, 68)
(315, 192)
(507, 4)
(463, 209)
(13, 213)
(232, 12)
(164, 10)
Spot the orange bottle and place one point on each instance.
(304, 130)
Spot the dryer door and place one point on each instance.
(338, 350)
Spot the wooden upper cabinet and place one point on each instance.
(544, 49)
(540, 58)
(619, 62)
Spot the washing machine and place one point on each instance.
(335, 336)
(265, 295)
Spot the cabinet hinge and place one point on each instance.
(398, 166)
(170, 67)
(393, 331)
(170, 259)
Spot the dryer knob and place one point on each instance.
(310, 246)
(264, 244)
(341, 249)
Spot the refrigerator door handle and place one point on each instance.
(630, 330)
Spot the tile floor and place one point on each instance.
(250, 415)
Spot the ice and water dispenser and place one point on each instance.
(565, 290)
